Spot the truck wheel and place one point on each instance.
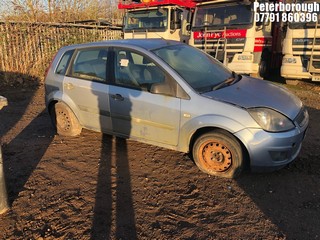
(218, 153)
(64, 120)
(264, 70)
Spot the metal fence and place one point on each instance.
(27, 48)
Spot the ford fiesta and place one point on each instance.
(172, 95)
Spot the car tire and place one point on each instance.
(64, 120)
(218, 153)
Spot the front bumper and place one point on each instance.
(243, 67)
(271, 151)
(294, 69)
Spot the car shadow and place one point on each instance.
(35, 137)
(17, 101)
(290, 197)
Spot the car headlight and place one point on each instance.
(270, 120)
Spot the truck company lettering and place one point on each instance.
(239, 33)
(261, 42)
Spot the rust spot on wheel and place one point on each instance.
(215, 156)
(63, 120)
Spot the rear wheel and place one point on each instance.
(64, 120)
(218, 153)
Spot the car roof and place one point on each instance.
(147, 44)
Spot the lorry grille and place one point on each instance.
(233, 46)
(304, 47)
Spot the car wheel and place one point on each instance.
(64, 120)
(218, 153)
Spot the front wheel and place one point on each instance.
(218, 153)
(64, 120)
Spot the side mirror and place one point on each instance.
(162, 88)
(188, 27)
(175, 19)
(124, 22)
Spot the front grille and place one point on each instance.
(302, 117)
(305, 47)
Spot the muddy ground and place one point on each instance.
(99, 187)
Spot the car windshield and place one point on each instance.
(201, 71)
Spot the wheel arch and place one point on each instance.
(51, 105)
(58, 96)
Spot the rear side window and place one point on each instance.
(90, 64)
(64, 62)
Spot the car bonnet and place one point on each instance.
(251, 92)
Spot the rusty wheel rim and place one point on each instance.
(215, 156)
(63, 120)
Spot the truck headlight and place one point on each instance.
(245, 57)
(289, 60)
(271, 120)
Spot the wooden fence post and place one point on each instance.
(3, 191)
(4, 206)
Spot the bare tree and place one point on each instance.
(60, 10)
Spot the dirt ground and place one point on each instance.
(99, 187)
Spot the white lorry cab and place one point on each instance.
(167, 19)
(301, 45)
(233, 32)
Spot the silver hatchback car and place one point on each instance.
(172, 95)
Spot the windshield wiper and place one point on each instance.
(226, 82)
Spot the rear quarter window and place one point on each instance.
(64, 62)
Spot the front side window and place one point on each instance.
(90, 64)
(152, 20)
(134, 70)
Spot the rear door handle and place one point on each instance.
(117, 97)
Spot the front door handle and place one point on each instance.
(117, 97)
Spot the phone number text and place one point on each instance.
(285, 17)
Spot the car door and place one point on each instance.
(135, 111)
(86, 86)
